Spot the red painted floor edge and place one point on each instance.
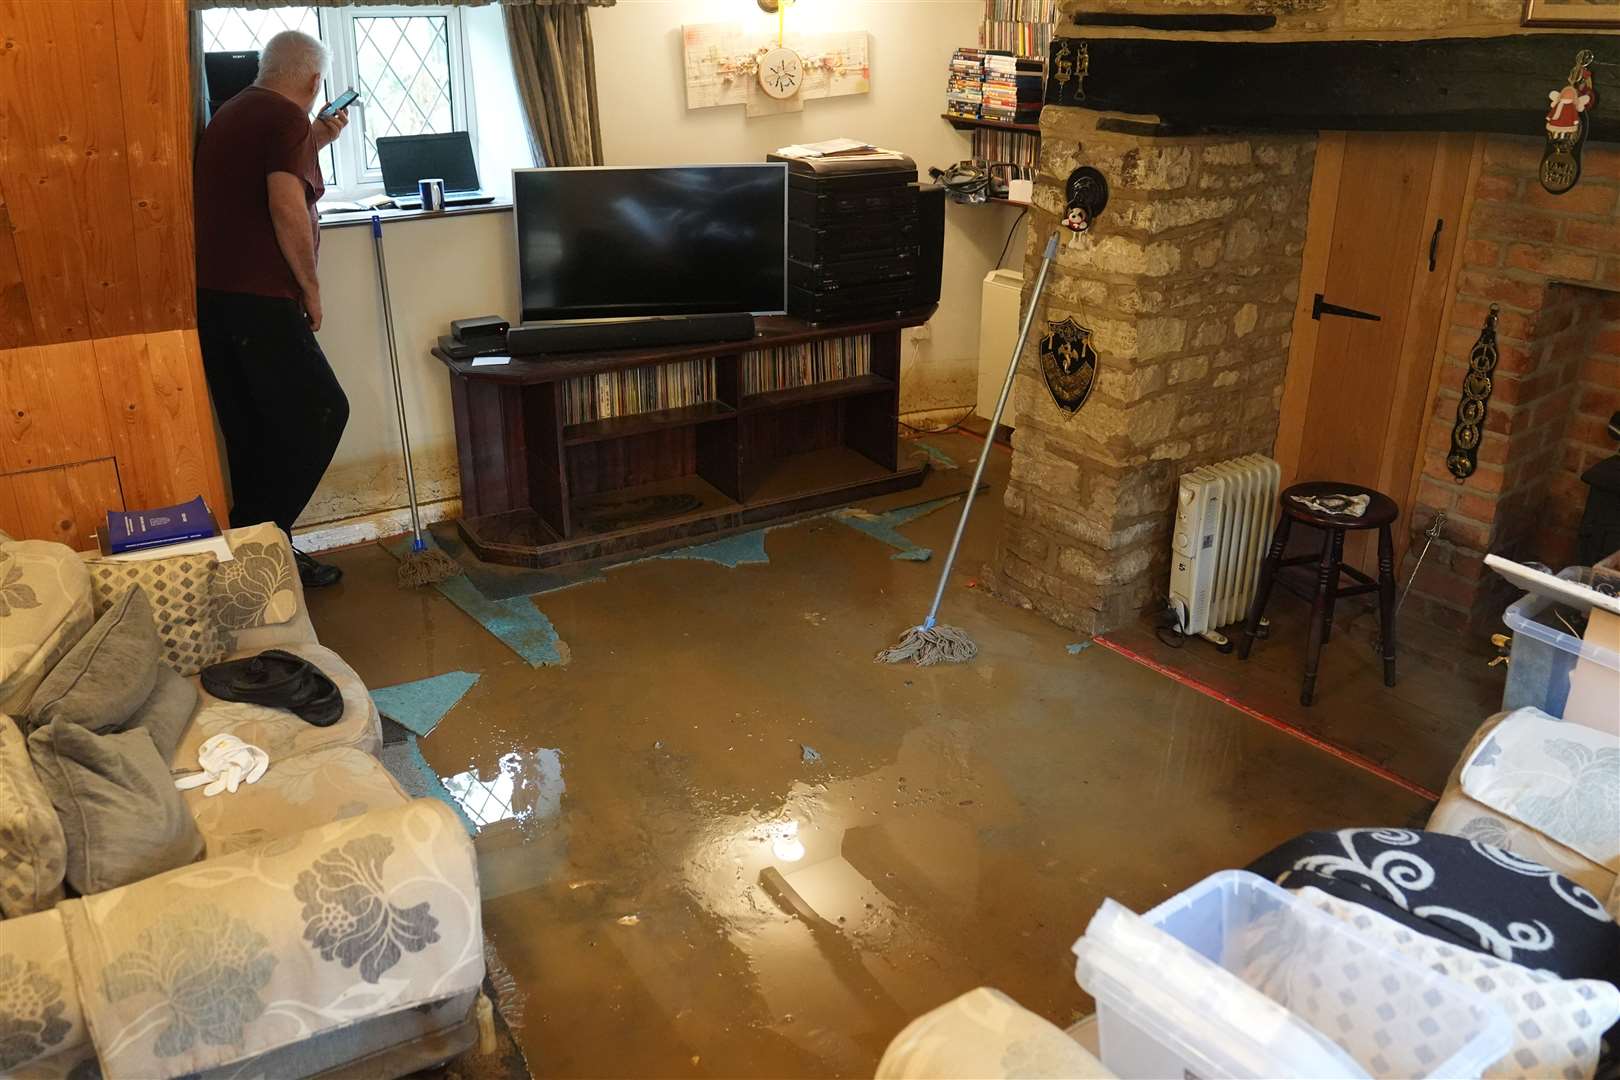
(1339, 752)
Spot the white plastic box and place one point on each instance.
(1238, 977)
(1544, 653)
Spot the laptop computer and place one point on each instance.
(406, 159)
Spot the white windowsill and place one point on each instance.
(338, 221)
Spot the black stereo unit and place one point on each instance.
(821, 207)
(809, 244)
(852, 273)
(595, 335)
(868, 301)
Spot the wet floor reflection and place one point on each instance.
(527, 788)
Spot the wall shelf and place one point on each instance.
(968, 123)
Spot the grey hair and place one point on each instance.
(291, 55)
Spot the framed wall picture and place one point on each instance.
(1590, 14)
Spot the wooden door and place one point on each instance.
(1385, 223)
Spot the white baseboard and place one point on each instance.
(371, 527)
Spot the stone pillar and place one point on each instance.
(1189, 281)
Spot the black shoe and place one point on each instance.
(316, 575)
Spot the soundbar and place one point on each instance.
(596, 335)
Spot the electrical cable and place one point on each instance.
(1008, 242)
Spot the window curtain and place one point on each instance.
(555, 65)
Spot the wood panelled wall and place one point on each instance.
(102, 399)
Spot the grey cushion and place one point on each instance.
(164, 715)
(121, 815)
(108, 675)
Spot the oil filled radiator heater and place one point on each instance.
(1225, 515)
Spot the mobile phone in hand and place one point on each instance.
(337, 105)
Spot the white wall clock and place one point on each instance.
(780, 73)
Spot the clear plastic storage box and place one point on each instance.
(1238, 977)
(1544, 651)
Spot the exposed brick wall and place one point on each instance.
(1550, 263)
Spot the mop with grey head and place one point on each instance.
(929, 643)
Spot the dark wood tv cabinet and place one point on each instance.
(537, 491)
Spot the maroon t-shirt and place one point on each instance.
(254, 134)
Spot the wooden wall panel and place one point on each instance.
(113, 282)
(155, 75)
(44, 391)
(98, 346)
(64, 504)
(16, 324)
(42, 137)
(156, 418)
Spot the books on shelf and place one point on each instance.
(608, 394)
(765, 370)
(130, 530)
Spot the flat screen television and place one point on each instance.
(608, 242)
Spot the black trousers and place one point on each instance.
(278, 403)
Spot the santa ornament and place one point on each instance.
(1567, 124)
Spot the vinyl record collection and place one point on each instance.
(1023, 27)
(1020, 148)
(637, 390)
(803, 365)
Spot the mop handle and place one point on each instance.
(995, 423)
(393, 363)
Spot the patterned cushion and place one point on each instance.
(181, 590)
(44, 611)
(256, 587)
(33, 853)
(1557, 1024)
(1558, 778)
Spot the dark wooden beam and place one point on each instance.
(1206, 23)
(1492, 84)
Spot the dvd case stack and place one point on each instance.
(637, 390)
(1022, 27)
(1012, 89)
(964, 91)
(802, 365)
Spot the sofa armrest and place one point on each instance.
(41, 1014)
(228, 959)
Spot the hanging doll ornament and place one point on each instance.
(1568, 119)
(1085, 196)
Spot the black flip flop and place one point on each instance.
(279, 680)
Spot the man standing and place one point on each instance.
(258, 298)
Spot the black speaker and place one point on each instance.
(593, 335)
(228, 74)
(931, 238)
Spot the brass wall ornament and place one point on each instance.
(1075, 65)
(1469, 430)
(1069, 362)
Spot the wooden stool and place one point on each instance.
(1380, 514)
